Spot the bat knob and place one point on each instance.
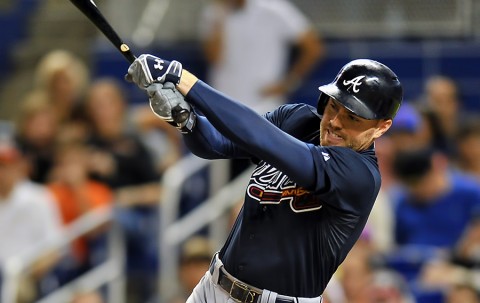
(180, 114)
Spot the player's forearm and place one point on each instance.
(206, 142)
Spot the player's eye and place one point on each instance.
(354, 118)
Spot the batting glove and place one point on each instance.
(148, 69)
(168, 104)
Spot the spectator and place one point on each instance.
(456, 274)
(442, 97)
(406, 129)
(467, 250)
(28, 220)
(441, 108)
(195, 258)
(389, 287)
(443, 274)
(75, 194)
(432, 213)
(36, 131)
(438, 204)
(459, 268)
(87, 297)
(356, 272)
(402, 134)
(63, 77)
(356, 276)
(463, 293)
(468, 147)
(247, 45)
(431, 133)
(365, 280)
(119, 159)
(163, 141)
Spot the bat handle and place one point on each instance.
(127, 53)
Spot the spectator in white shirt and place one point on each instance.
(247, 44)
(28, 218)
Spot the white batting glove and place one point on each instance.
(148, 69)
(168, 104)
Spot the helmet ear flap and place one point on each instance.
(322, 103)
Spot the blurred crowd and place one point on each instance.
(77, 145)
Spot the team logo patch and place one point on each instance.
(357, 81)
(326, 156)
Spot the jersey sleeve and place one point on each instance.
(254, 133)
(208, 143)
(346, 179)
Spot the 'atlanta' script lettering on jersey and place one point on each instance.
(268, 185)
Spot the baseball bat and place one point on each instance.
(90, 10)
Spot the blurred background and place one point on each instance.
(101, 202)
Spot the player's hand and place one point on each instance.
(168, 104)
(148, 69)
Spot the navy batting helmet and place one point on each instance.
(367, 88)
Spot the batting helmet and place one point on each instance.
(365, 87)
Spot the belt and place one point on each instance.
(241, 292)
(238, 291)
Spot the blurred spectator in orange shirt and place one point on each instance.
(74, 192)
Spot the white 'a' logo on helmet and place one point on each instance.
(354, 82)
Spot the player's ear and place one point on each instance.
(382, 127)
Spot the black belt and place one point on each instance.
(239, 291)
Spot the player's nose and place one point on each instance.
(335, 121)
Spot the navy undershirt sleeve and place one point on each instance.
(250, 132)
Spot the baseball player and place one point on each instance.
(315, 181)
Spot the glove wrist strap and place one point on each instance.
(188, 125)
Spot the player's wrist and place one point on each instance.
(188, 125)
(187, 81)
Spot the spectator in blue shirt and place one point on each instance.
(438, 203)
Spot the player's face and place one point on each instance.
(340, 127)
